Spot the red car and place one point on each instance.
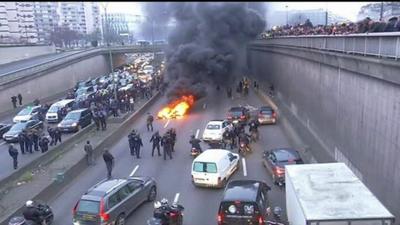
(238, 114)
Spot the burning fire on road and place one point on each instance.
(176, 109)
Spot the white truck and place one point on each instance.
(330, 194)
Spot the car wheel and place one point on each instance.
(120, 220)
(152, 194)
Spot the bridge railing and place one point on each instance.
(372, 44)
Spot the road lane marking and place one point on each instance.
(134, 171)
(204, 105)
(176, 198)
(197, 133)
(244, 167)
(166, 125)
(2, 143)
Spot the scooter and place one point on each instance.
(173, 214)
(45, 210)
(195, 152)
(243, 149)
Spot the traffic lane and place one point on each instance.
(124, 164)
(12, 66)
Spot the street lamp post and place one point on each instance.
(287, 16)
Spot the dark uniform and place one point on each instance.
(14, 155)
(150, 120)
(195, 144)
(227, 137)
(166, 142)
(109, 160)
(57, 135)
(44, 144)
(137, 143)
(172, 134)
(28, 142)
(14, 101)
(130, 140)
(35, 139)
(51, 134)
(21, 142)
(20, 99)
(156, 139)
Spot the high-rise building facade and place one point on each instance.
(46, 19)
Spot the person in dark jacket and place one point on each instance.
(89, 153)
(51, 134)
(44, 144)
(96, 119)
(35, 139)
(20, 98)
(109, 160)
(32, 213)
(14, 155)
(166, 142)
(137, 143)
(14, 101)
(21, 142)
(156, 139)
(28, 142)
(195, 143)
(130, 141)
(150, 120)
(57, 135)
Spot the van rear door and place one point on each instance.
(239, 213)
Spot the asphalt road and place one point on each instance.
(173, 176)
(12, 66)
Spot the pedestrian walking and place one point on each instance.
(14, 155)
(130, 141)
(21, 142)
(20, 98)
(131, 104)
(14, 101)
(150, 120)
(57, 135)
(156, 139)
(89, 153)
(44, 144)
(137, 143)
(109, 160)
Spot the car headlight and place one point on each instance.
(15, 135)
(59, 125)
(74, 124)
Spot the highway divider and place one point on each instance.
(56, 187)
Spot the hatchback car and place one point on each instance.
(214, 167)
(12, 134)
(111, 201)
(75, 120)
(267, 115)
(28, 113)
(238, 114)
(244, 202)
(214, 130)
(276, 159)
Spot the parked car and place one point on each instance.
(52, 113)
(275, 161)
(85, 90)
(75, 120)
(267, 115)
(213, 167)
(244, 202)
(111, 201)
(4, 128)
(214, 130)
(12, 134)
(238, 114)
(28, 113)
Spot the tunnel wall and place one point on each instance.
(11, 54)
(55, 82)
(350, 104)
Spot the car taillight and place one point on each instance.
(172, 214)
(242, 117)
(74, 209)
(274, 114)
(229, 117)
(220, 218)
(104, 216)
(261, 220)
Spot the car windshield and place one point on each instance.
(72, 116)
(81, 91)
(24, 112)
(213, 127)
(18, 127)
(54, 109)
(88, 206)
(266, 112)
(205, 167)
(284, 156)
(236, 113)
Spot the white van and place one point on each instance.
(52, 115)
(213, 167)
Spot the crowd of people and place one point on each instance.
(364, 26)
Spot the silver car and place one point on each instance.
(111, 201)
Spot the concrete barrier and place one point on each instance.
(56, 187)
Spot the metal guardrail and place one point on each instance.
(22, 72)
(370, 44)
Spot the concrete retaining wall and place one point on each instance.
(350, 104)
(55, 81)
(11, 54)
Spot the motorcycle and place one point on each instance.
(167, 215)
(45, 211)
(243, 148)
(195, 152)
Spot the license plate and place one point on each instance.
(89, 217)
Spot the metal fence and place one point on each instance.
(372, 44)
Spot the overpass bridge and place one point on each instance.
(343, 94)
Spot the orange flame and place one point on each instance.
(177, 108)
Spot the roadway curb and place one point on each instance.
(56, 187)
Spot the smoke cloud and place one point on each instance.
(208, 45)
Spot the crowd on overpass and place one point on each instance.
(366, 25)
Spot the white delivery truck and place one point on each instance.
(330, 194)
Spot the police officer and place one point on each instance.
(14, 101)
(51, 134)
(14, 155)
(32, 213)
(253, 127)
(137, 143)
(35, 139)
(20, 98)
(227, 138)
(28, 142)
(172, 134)
(150, 120)
(156, 139)
(44, 144)
(21, 142)
(167, 144)
(57, 135)
(130, 141)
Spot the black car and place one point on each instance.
(276, 159)
(4, 128)
(75, 120)
(238, 114)
(16, 129)
(244, 202)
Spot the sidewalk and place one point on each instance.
(46, 180)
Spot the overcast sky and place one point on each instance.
(345, 9)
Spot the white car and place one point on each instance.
(28, 113)
(214, 167)
(214, 130)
